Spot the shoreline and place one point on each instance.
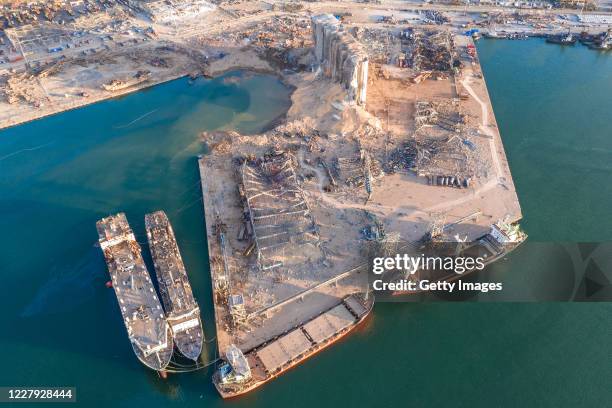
(87, 102)
(93, 100)
(212, 74)
(258, 65)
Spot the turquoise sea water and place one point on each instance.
(61, 326)
(553, 105)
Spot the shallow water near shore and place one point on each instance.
(62, 327)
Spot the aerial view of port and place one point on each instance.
(306, 203)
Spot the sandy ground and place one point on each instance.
(238, 59)
(65, 89)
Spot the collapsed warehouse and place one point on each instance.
(275, 243)
(276, 213)
(422, 52)
(426, 50)
(440, 148)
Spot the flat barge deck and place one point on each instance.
(245, 372)
(183, 313)
(142, 312)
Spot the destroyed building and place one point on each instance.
(277, 211)
(341, 56)
(170, 11)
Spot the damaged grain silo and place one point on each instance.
(342, 57)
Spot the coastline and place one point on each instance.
(245, 59)
(253, 63)
(58, 109)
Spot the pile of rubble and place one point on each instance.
(281, 40)
(170, 11)
(440, 114)
(43, 70)
(383, 45)
(359, 170)
(31, 12)
(280, 32)
(24, 87)
(441, 148)
(424, 53)
(445, 162)
(15, 14)
(424, 50)
(402, 159)
(276, 214)
(375, 230)
(434, 17)
(443, 157)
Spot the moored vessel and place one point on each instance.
(242, 372)
(502, 239)
(603, 42)
(141, 310)
(492, 34)
(562, 39)
(182, 311)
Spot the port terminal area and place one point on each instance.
(394, 141)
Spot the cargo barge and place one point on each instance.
(142, 312)
(244, 372)
(182, 311)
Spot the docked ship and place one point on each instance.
(494, 34)
(603, 42)
(182, 311)
(502, 239)
(142, 312)
(242, 372)
(517, 36)
(562, 39)
(118, 84)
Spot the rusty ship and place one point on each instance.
(120, 84)
(242, 372)
(182, 311)
(140, 307)
(498, 242)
